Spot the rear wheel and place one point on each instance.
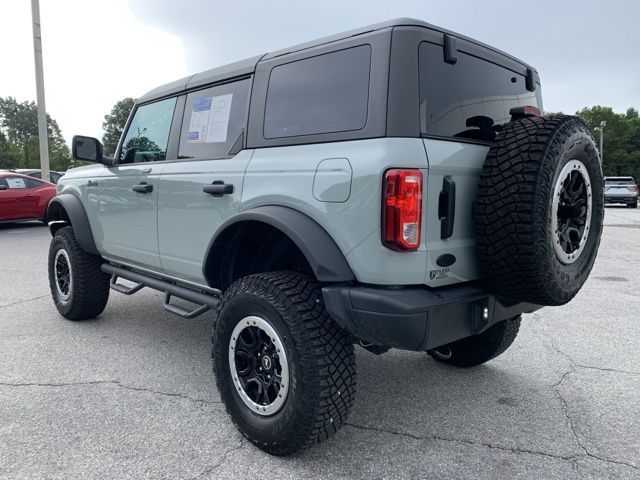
(79, 288)
(478, 349)
(633, 205)
(284, 369)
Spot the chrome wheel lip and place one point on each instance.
(571, 166)
(277, 404)
(58, 276)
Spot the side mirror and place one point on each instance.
(89, 149)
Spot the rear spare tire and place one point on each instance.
(539, 210)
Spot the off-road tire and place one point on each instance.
(513, 210)
(478, 349)
(89, 286)
(321, 361)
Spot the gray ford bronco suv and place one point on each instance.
(394, 187)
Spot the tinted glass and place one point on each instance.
(323, 94)
(33, 183)
(148, 134)
(468, 98)
(213, 119)
(619, 181)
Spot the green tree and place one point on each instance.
(9, 153)
(621, 139)
(19, 137)
(114, 123)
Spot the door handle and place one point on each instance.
(447, 207)
(218, 188)
(92, 183)
(143, 187)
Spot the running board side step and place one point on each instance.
(204, 301)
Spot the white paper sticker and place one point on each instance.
(16, 182)
(199, 120)
(219, 118)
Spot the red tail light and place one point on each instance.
(634, 188)
(401, 209)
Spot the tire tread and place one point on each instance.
(90, 285)
(322, 346)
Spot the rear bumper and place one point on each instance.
(621, 199)
(417, 318)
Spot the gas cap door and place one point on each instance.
(332, 180)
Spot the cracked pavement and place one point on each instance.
(131, 394)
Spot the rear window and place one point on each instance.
(619, 181)
(323, 94)
(33, 183)
(213, 120)
(466, 99)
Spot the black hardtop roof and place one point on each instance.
(248, 66)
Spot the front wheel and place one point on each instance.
(285, 370)
(79, 288)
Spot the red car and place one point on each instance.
(23, 197)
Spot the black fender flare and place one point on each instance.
(75, 215)
(321, 251)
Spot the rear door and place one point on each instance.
(462, 105)
(203, 188)
(39, 194)
(127, 193)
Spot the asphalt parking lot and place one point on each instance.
(130, 395)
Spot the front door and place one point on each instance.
(17, 200)
(127, 193)
(200, 192)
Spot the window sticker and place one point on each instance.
(219, 118)
(210, 119)
(199, 120)
(16, 182)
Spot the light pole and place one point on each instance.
(42, 111)
(603, 124)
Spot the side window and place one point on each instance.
(323, 94)
(16, 182)
(148, 134)
(213, 119)
(33, 183)
(468, 98)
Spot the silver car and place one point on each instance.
(621, 190)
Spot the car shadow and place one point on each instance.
(21, 225)
(398, 391)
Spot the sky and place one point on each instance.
(97, 52)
